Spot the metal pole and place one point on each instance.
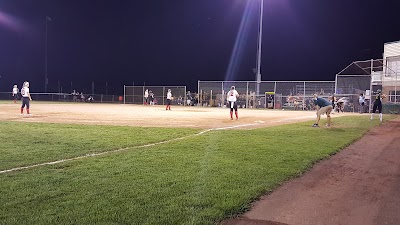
(304, 95)
(275, 96)
(258, 78)
(124, 94)
(370, 87)
(223, 94)
(45, 59)
(247, 95)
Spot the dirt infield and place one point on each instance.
(358, 186)
(150, 116)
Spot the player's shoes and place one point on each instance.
(315, 125)
(328, 126)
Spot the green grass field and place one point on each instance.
(198, 180)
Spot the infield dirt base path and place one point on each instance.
(358, 186)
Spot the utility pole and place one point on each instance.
(46, 80)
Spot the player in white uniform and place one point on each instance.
(26, 97)
(232, 98)
(169, 99)
(146, 96)
(15, 93)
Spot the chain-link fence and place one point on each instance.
(64, 97)
(368, 78)
(275, 95)
(157, 95)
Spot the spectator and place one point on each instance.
(188, 98)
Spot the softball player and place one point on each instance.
(169, 99)
(15, 93)
(361, 101)
(232, 98)
(26, 97)
(146, 96)
(378, 104)
(323, 106)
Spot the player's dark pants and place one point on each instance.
(233, 106)
(25, 102)
(15, 97)
(377, 105)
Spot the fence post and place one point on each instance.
(304, 95)
(124, 94)
(222, 94)
(370, 89)
(201, 97)
(275, 97)
(247, 95)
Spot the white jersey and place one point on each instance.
(232, 95)
(25, 92)
(146, 94)
(169, 95)
(361, 99)
(15, 91)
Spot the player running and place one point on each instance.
(232, 98)
(15, 93)
(323, 106)
(26, 97)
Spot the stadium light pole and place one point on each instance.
(46, 81)
(258, 75)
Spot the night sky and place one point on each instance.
(177, 42)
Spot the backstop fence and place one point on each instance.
(272, 94)
(367, 77)
(157, 94)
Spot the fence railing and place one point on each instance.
(272, 94)
(64, 97)
(157, 95)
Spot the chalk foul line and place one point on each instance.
(144, 146)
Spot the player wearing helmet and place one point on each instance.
(26, 97)
(169, 99)
(232, 98)
(15, 93)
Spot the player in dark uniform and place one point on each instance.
(378, 104)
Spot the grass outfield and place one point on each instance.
(199, 180)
